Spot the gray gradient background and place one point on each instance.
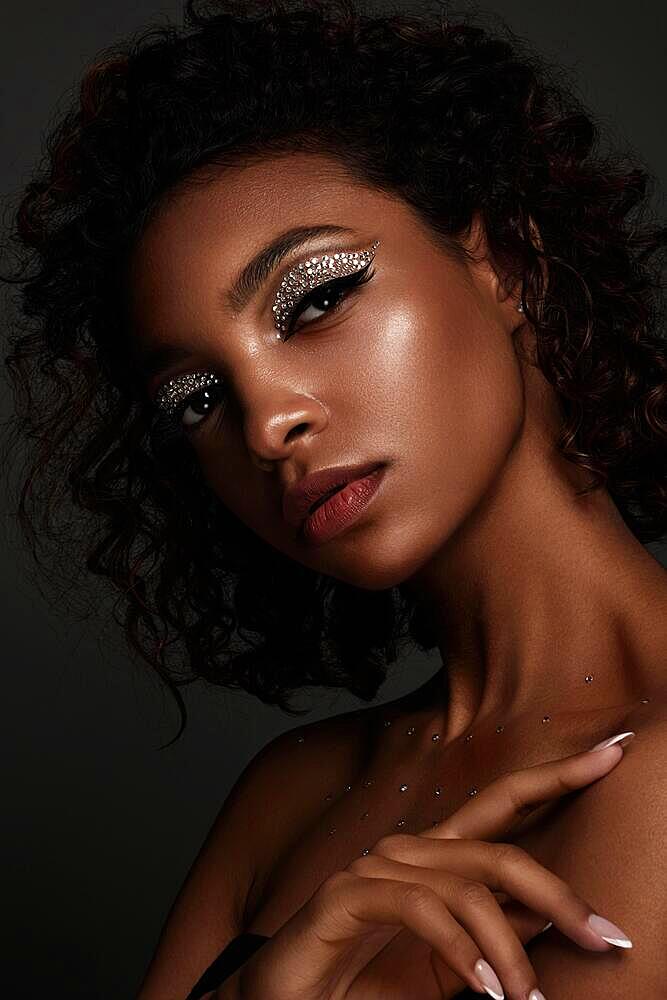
(99, 826)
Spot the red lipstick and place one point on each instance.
(330, 501)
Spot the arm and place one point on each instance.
(243, 847)
(614, 854)
(229, 990)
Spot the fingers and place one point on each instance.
(526, 923)
(503, 804)
(480, 932)
(500, 867)
(346, 905)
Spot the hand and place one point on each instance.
(438, 887)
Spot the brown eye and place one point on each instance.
(328, 297)
(201, 403)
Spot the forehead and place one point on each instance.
(206, 229)
(240, 208)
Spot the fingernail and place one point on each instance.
(546, 928)
(536, 995)
(609, 932)
(489, 979)
(625, 737)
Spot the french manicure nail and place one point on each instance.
(489, 979)
(622, 738)
(609, 932)
(536, 995)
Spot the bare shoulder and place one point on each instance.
(271, 800)
(612, 850)
(289, 774)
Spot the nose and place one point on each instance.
(275, 426)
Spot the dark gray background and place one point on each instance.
(99, 825)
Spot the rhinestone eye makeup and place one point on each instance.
(173, 392)
(315, 271)
(304, 277)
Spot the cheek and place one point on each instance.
(444, 393)
(453, 411)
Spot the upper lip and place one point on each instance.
(299, 498)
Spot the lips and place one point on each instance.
(317, 487)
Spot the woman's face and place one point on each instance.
(414, 369)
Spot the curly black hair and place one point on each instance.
(452, 116)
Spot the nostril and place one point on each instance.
(295, 431)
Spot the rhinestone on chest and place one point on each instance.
(438, 790)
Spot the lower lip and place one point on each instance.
(342, 509)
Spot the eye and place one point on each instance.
(191, 411)
(328, 298)
(195, 408)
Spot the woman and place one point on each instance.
(355, 337)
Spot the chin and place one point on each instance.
(376, 559)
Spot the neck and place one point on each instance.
(538, 589)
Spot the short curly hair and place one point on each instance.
(454, 117)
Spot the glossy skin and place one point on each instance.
(531, 588)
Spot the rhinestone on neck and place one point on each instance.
(437, 789)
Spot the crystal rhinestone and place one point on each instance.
(435, 822)
(435, 737)
(401, 822)
(368, 782)
(403, 788)
(364, 815)
(387, 722)
(365, 850)
(644, 701)
(348, 788)
(410, 731)
(468, 737)
(176, 389)
(310, 274)
(546, 718)
(328, 798)
(588, 678)
(332, 830)
(438, 790)
(473, 791)
(499, 729)
(299, 739)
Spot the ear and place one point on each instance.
(477, 249)
(536, 240)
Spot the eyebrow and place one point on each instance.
(153, 360)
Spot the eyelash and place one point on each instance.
(347, 285)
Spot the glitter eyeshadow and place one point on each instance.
(172, 392)
(302, 278)
(312, 273)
